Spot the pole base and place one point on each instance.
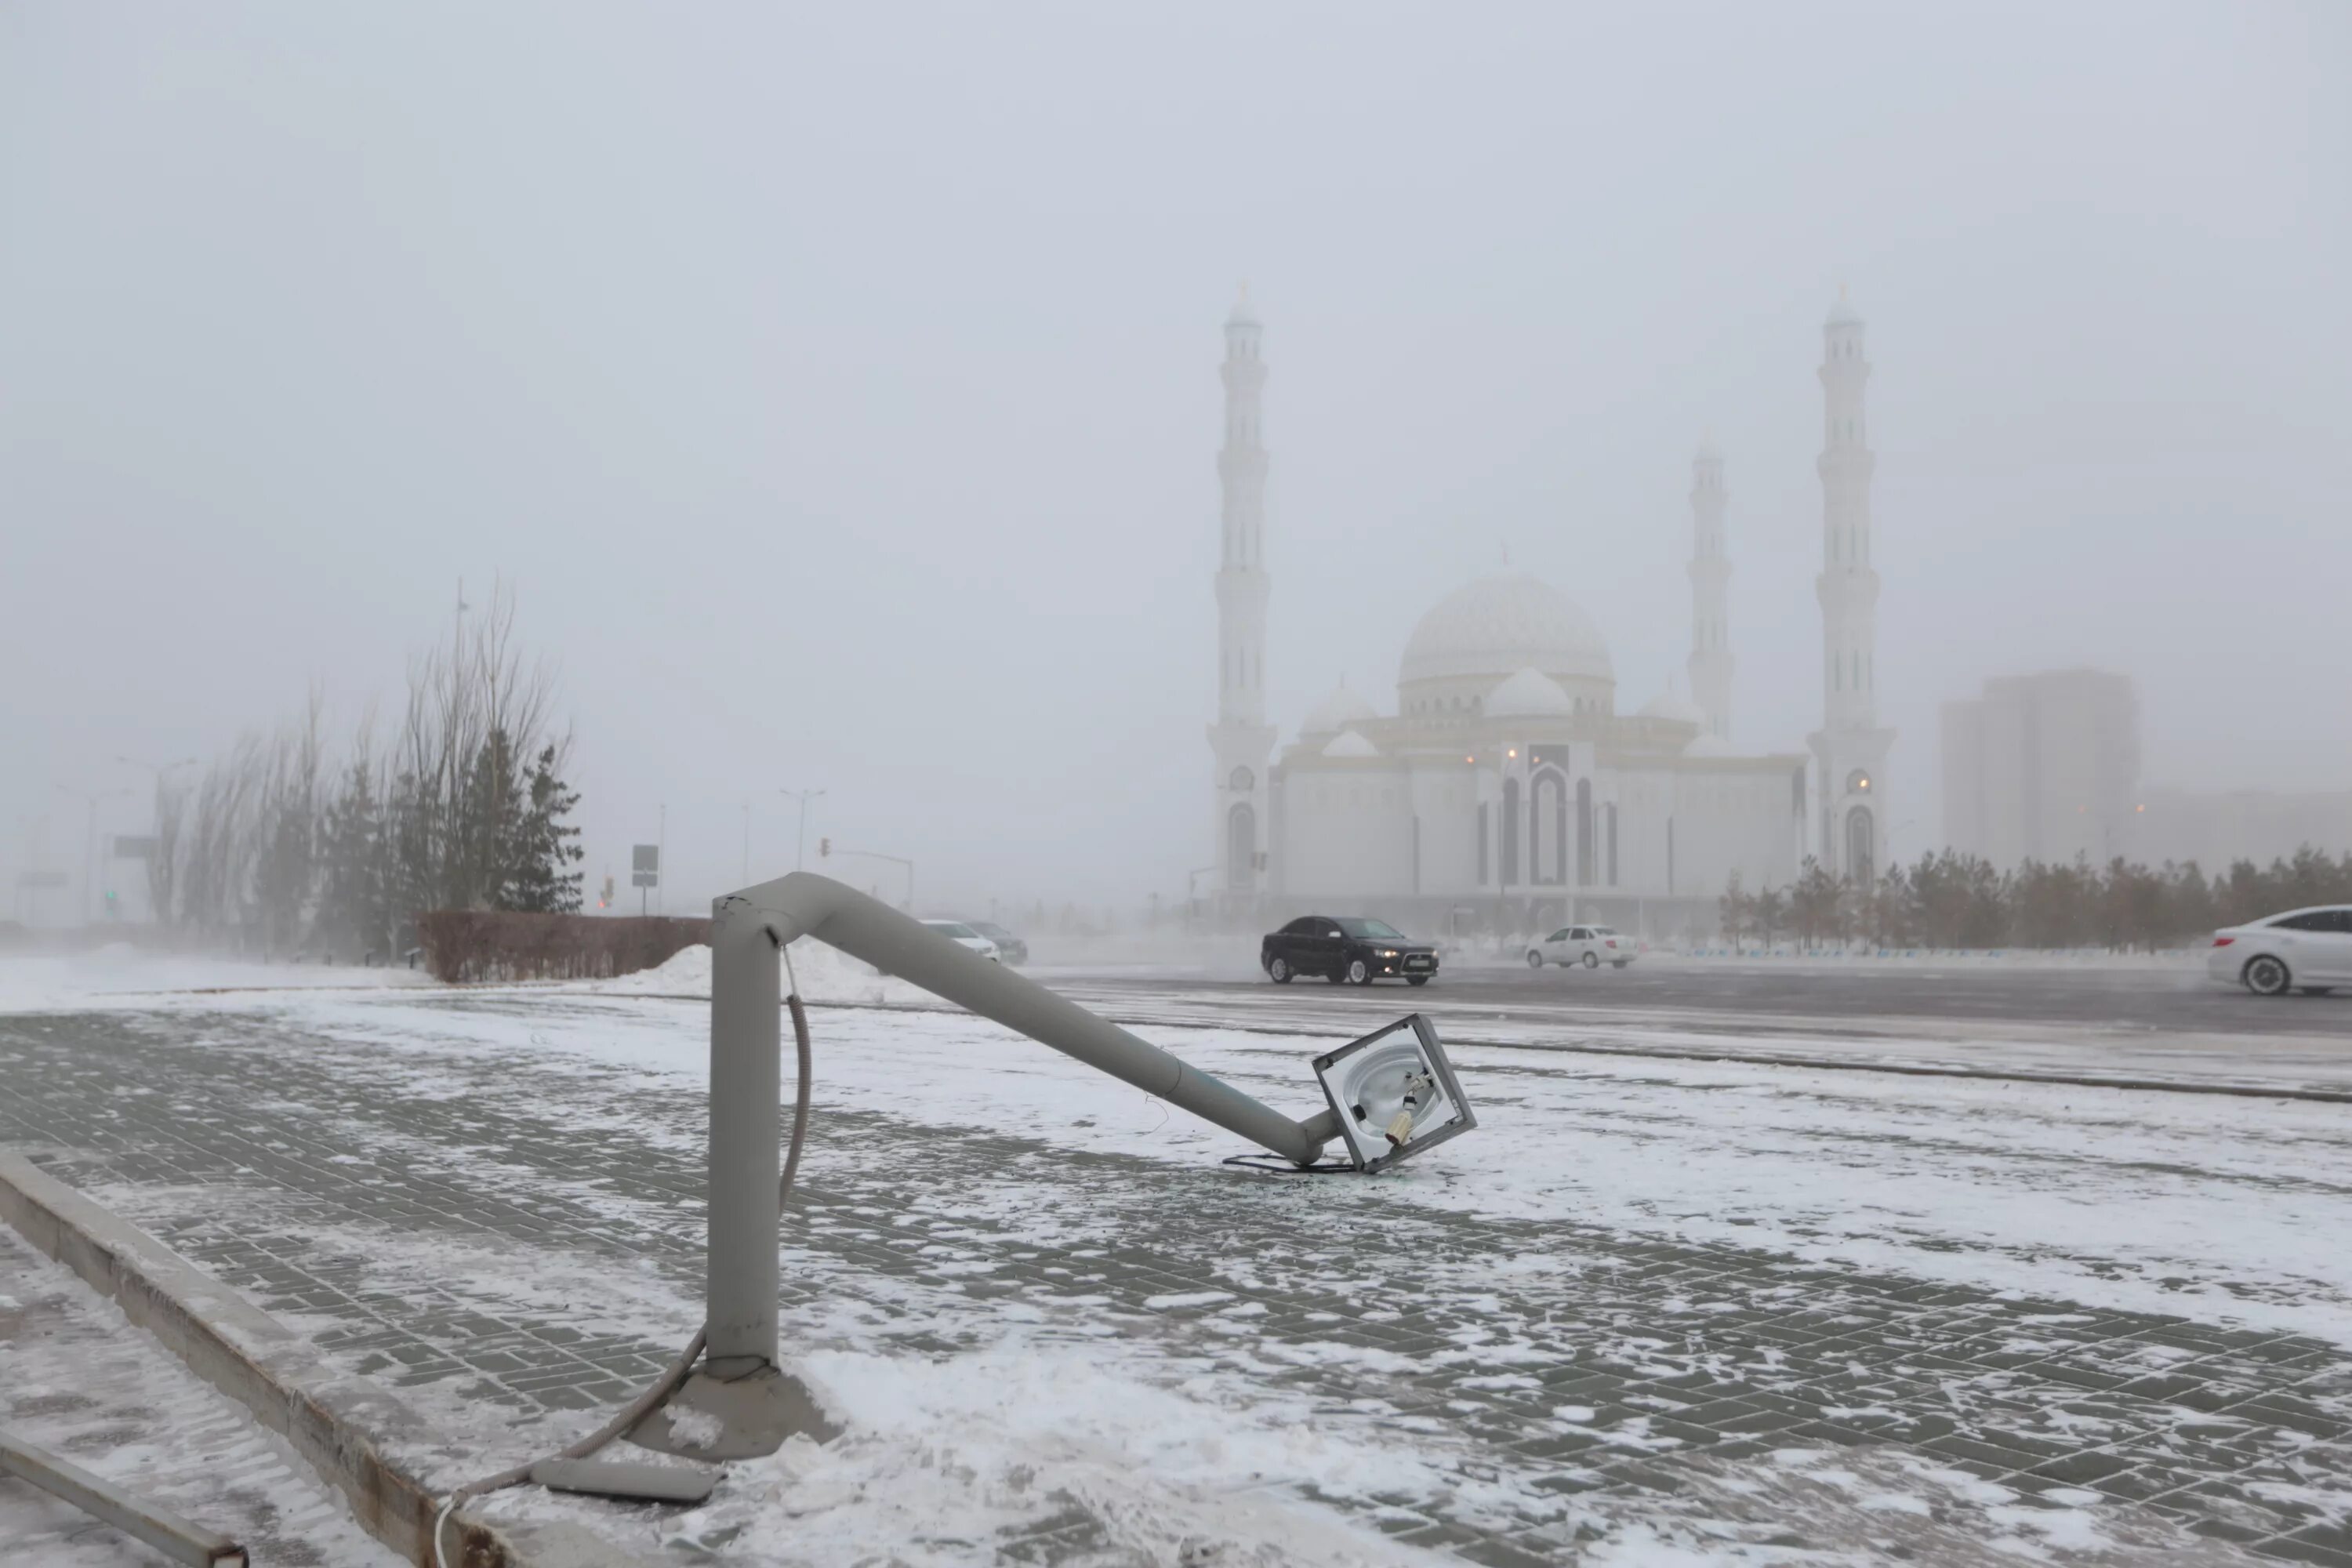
(733, 1418)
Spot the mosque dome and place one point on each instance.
(1351, 744)
(1842, 314)
(1494, 627)
(1529, 694)
(1672, 704)
(1338, 711)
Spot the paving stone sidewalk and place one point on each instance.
(1570, 1375)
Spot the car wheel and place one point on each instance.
(2266, 976)
(1416, 980)
(1591, 961)
(1279, 970)
(1535, 959)
(1358, 972)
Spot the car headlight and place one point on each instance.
(1388, 952)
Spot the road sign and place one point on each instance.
(134, 847)
(645, 866)
(37, 880)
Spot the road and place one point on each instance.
(2126, 999)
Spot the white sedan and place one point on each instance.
(964, 937)
(1591, 946)
(2310, 950)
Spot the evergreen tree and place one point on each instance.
(1770, 909)
(544, 846)
(351, 866)
(1814, 903)
(1887, 908)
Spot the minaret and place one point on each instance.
(1241, 738)
(1710, 575)
(1849, 745)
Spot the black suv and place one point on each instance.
(1345, 947)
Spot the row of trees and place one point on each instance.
(285, 846)
(1954, 900)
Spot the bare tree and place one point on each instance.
(475, 711)
(286, 831)
(465, 809)
(217, 874)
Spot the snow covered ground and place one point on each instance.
(125, 976)
(2217, 1208)
(1033, 1295)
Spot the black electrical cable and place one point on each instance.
(681, 1369)
(1275, 1165)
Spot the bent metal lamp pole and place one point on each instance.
(756, 1405)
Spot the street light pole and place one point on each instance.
(89, 840)
(800, 846)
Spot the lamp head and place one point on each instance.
(1394, 1093)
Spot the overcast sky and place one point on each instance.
(839, 385)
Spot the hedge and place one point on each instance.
(503, 944)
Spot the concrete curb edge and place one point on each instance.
(337, 1421)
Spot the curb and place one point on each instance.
(337, 1421)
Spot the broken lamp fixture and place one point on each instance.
(1393, 1093)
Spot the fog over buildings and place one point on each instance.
(839, 390)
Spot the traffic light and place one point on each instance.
(824, 848)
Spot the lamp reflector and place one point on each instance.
(1394, 1093)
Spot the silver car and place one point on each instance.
(2307, 950)
(1591, 946)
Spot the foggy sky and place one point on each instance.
(838, 385)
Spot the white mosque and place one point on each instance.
(1507, 787)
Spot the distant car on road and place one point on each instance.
(1353, 948)
(963, 936)
(1591, 946)
(1010, 949)
(2306, 950)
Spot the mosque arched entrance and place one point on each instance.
(1861, 847)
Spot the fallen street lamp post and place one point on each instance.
(1394, 1088)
